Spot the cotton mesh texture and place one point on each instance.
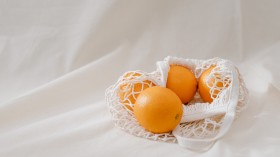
(203, 127)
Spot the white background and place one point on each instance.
(57, 57)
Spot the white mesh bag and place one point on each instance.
(202, 123)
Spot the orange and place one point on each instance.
(130, 91)
(158, 109)
(183, 82)
(204, 90)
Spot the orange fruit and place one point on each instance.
(182, 81)
(158, 109)
(204, 90)
(129, 91)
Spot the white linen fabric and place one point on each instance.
(57, 57)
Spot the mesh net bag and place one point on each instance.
(202, 123)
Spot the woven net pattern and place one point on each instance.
(121, 96)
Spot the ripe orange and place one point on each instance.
(204, 90)
(158, 109)
(129, 91)
(183, 82)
